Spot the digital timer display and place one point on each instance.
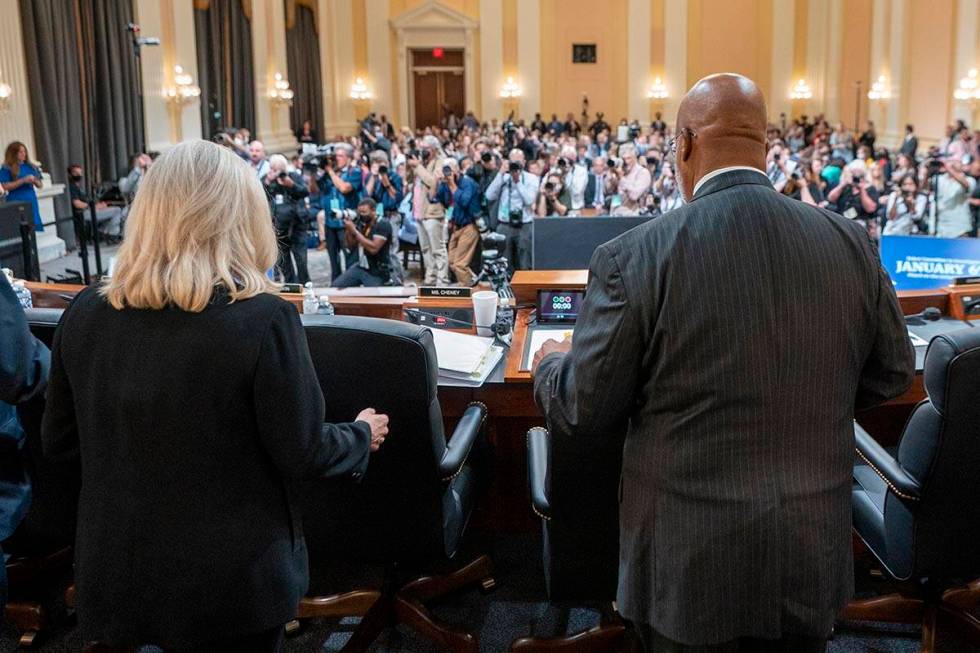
(559, 305)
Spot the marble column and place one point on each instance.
(269, 57)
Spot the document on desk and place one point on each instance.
(917, 341)
(495, 355)
(459, 354)
(537, 337)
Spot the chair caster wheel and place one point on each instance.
(28, 639)
(293, 627)
(488, 584)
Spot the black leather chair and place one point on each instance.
(40, 549)
(918, 511)
(409, 511)
(574, 486)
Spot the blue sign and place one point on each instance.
(919, 263)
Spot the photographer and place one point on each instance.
(460, 195)
(855, 198)
(382, 184)
(340, 189)
(953, 189)
(668, 190)
(549, 203)
(287, 193)
(803, 185)
(430, 216)
(575, 177)
(633, 182)
(371, 237)
(905, 212)
(517, 190)
(779, 166)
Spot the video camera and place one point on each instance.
(323, 156)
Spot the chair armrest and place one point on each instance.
(459, 445)
(538, 452)
(885, 466)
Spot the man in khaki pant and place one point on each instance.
(431, 215)
(460, 195)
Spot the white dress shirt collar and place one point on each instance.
(720, 171)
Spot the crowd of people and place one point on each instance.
(364, 197)
(441, 186)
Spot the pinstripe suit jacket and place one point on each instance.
(732, 340)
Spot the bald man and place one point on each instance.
(731, 341)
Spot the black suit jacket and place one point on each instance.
(733, 339)
(191, 428)
(910, 146)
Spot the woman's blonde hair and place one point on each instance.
(200, 220)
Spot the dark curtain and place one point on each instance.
(111, 86)
(303, 60)
(224, 63)
(84, 85)
(51, 51)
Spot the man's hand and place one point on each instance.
(287, 181)
(101, 205)
(349, 225)
(378, 424)
(550, 347)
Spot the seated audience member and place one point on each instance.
(549, 199)
(462, 193)
(369, 236)
(129, 184)
(804, 185)
(780, 166)
(855, 198)
(23, 375)
(108, 217)
(905, 212)
(187, 536)
(287, 193)
(633, 182)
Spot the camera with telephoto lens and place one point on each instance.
(323, 156)
(934, 166)
(382, 170)
(549, 187)
(350, 214)
(447, 171)
(515, 166)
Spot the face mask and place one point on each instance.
(76, 178)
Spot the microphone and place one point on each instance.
(931, 314)
(500, 328)
(970, 305)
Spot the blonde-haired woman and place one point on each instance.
(187, 390)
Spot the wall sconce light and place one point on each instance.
(5, 93)
(879, 90)
(658, 91)
(359, 91)
(280, 93)
(969, 89)
(801, 91)
(183, 91)
(510, 90)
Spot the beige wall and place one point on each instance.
(925, 46)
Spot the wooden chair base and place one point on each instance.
(612, 635)
(406, 605)
(25, 574)
(954, 607)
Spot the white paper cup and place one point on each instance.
(484, 311)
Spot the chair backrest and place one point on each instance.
(394, 514)
(940, 447)
(581, 544)
(50, 521)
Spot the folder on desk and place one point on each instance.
(459, 354)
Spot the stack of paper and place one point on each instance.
(464, 359)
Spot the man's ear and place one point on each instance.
(685, 146)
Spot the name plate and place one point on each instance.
(457, 292)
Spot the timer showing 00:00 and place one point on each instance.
(560, 303)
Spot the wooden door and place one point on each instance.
(427, 109)
(438, 86)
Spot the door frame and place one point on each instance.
(428, 26)
(412, 69)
